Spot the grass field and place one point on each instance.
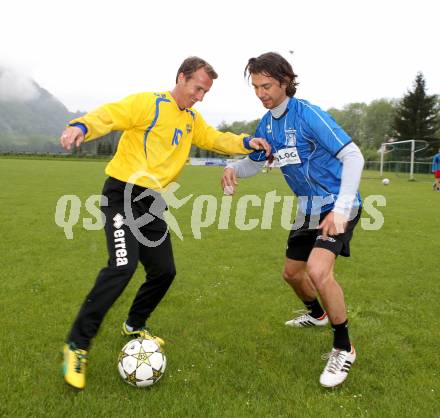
(229, 353)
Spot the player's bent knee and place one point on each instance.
(168, 273)
(171, 274)
(319, 276)
(126, 272)
(293, 276)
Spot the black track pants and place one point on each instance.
(125, 250)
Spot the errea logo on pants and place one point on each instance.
(119, 220)
(119, 234)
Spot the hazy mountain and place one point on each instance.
(30, 116)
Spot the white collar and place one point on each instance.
(280, 109)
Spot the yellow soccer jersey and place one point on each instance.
(157, 137)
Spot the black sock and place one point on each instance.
(340, 336)
(315, 308)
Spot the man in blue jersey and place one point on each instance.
(436, 171)
(323, 168)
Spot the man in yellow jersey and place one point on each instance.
(158, 131)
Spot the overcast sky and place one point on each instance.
(90, 52)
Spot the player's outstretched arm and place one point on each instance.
(71, 135)
(229, 180)
(209, 138)
(241, 168)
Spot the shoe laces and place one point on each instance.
(80, 360)
(335, 359)
(146, 331)
(303, 314)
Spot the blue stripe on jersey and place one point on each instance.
(191, 112)
(156, 115)
(324, 128)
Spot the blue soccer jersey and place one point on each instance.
(305, 141)
(436, 162)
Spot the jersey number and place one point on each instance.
(177, 135)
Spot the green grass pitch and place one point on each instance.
(229, 353)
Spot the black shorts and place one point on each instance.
(303, 239)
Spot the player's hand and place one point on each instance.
(71, 135)
(333, 224)
(260, 144)
(229, 181)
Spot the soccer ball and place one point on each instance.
(141, 362)
(386, 182)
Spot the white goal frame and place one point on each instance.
(383, 151)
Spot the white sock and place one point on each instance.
(129, 328)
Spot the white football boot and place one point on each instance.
(306, 320)
(337, 367)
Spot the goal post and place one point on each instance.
(387, 147)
